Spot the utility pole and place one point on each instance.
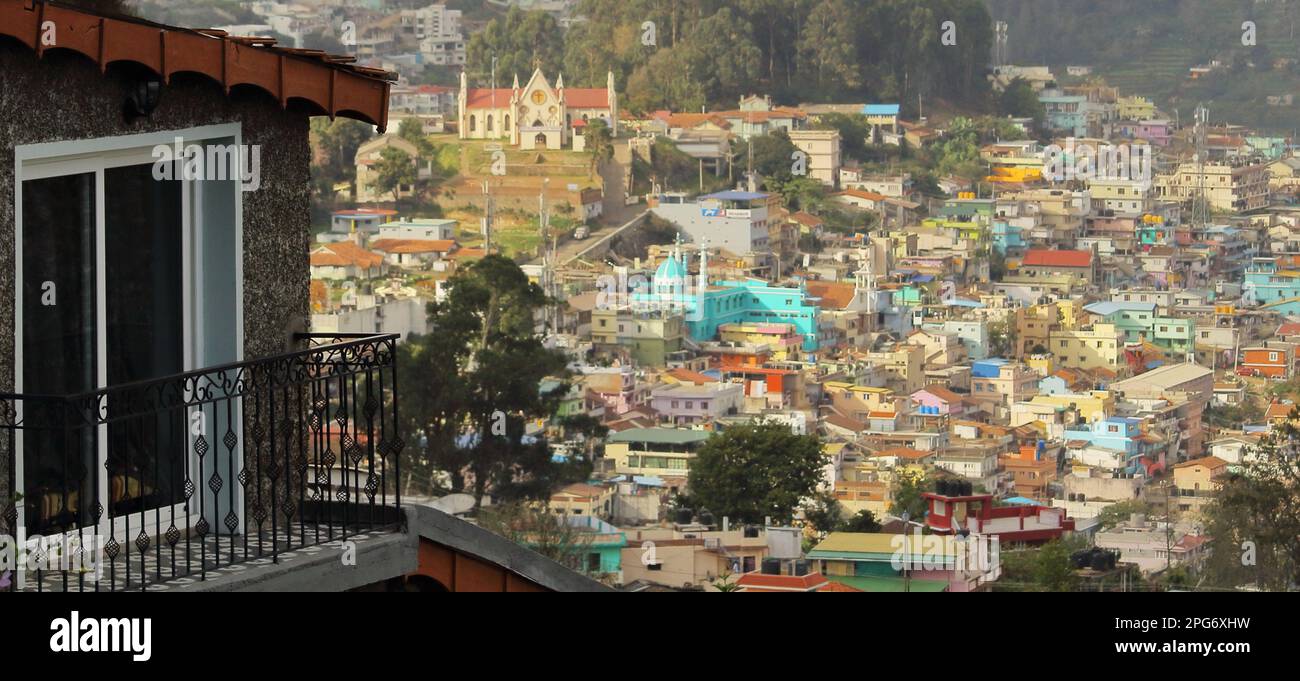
(489, 210)
(548, 274)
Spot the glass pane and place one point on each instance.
(58, 251)
(145, 334)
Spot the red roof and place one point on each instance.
(481, 98)
(1046, 258)
(586, 98)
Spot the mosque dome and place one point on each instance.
(670, 272)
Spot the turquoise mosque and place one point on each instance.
(705, 306)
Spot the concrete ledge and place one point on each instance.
(379, 556)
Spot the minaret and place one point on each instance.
(704, 264)
(613, 103)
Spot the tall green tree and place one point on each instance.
(1254, 520)
(600, 144)
(473, 384)
(907, 490)
(520, 41)
(754, 471)
(393, 171)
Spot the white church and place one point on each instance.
(536, 116)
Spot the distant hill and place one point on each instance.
(1146, 47)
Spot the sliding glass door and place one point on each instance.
(123, 277)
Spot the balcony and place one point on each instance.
(166, 481)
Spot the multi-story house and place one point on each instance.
(1227, 187)
(685, 404)
(665, 452)
(1100, 346)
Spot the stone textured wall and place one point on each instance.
(64, 96)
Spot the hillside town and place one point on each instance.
(839, 296)
(1074, 344)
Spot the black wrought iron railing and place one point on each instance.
(168, 479)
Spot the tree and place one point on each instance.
(863, 521)
(1120, 512)
(393, 171)
(908, 488)
(1020, 100)
(474, 383)
(828, 47)
(755, 471)
(335, 145)
(824, 514)
(412, 131)
(520, 41)
(665, 82)
(1052, 570)
(539, 529)
(600, 143)
(773, 157)
(1254, 520)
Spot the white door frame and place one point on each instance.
(53, 159)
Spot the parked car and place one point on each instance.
(581, 232)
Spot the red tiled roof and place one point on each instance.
(833, 294)
(1207, 461)
(332, 83)
(942, 393)
(481, 97)
(344, 253)
(1046, 258)
(810, 220)
(861, 194)
(586, 98)
(1289, 329)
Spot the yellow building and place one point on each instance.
(1092, 405)
(1100, 346)
(1198, 475)
(1135, 108)
(654, 451)
(861, 402)
(783, 340)
(583, 499)
(1040, 363)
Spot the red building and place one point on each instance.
(976, 513)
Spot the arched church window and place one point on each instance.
(473, 124)
(489, 123)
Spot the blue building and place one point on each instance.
(706, 306)
(1121, 434)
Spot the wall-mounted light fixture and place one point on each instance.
(142, 98)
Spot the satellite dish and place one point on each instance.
(454, 504)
